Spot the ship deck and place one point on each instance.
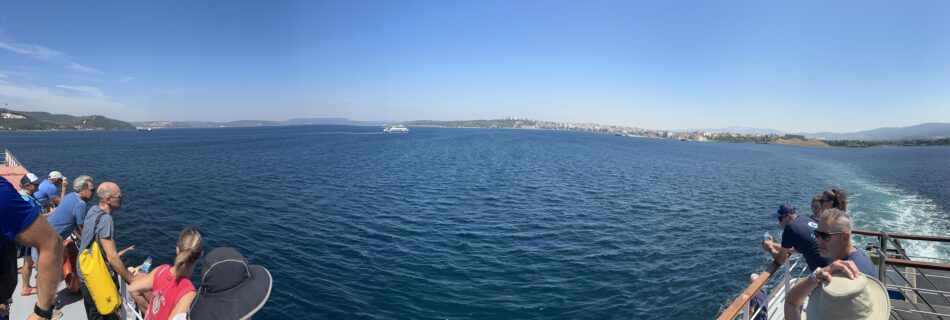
(69, 303)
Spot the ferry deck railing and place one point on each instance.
(740, 306)
(921, 305)
(923, 295)
(9, 160)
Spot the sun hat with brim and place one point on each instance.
(842, 298)
(230, 288)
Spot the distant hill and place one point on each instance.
(34, 120)
(254, 123)
(745, 130)
(920, 131)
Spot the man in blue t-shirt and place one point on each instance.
(797, 236)
(18, 220)
(71, 212)
(48, 195)
(834, 241)
(48, 191)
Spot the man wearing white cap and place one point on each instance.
(48, 192)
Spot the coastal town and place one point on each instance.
(13, 120)
(689, 135)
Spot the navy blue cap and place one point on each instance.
(785, 209)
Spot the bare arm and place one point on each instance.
(41, 235)
(142, 284)
(183, 304)
(108, 246)
(796, 297)
(780, 255)
(63, 192)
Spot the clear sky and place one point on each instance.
(798, 66)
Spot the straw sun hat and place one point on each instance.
(843, 298)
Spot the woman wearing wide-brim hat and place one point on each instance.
(230, 287)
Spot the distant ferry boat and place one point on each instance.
(396, 129)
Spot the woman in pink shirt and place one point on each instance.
(171, 290)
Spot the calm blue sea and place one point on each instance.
(485, 224)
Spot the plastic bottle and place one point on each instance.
(147, 265)
(766, 236)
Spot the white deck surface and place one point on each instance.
(70, 303)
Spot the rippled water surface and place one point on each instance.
(485, 224)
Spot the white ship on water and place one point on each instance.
(396, 129)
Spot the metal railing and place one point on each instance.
(9, 160)
(740, 306)
(915, 268)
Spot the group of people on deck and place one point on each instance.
(838, 268)
(39, 225)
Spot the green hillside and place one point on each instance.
(34, 120)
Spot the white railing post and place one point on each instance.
(787, 277)
(745, 311)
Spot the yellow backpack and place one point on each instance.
(92, 264)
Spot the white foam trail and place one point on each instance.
(894, 210)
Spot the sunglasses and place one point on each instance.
(825, 235)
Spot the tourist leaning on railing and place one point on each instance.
(797, 236)
(171, 290)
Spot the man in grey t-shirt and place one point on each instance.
(110, 200)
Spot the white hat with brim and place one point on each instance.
(55, 175)
(842, 298)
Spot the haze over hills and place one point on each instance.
(920, 131)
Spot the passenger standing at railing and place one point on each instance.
(759, 302)
(834, 199)
(816, 208)
(110, 200)
(48, 193)
(834, 241)
(797, 236)
(172, 291)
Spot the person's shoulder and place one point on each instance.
(804, 222)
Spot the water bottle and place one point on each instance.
(147, 264)
(766, 236)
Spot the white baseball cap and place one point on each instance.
(53, 175)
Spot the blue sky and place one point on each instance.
(802, 66)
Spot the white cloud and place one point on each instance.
(82, 68)
(92, 92)
(41, 53)
(32, 50)
(76, 100)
